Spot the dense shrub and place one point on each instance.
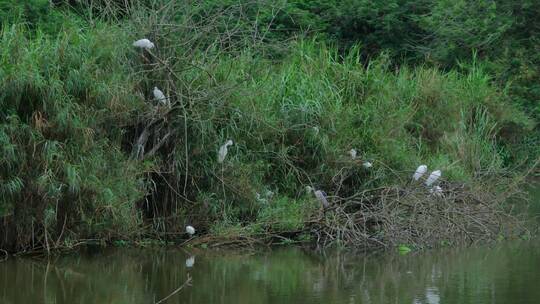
(87, 152)
(63, 102)
(503, 33)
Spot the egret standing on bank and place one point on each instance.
(190, 230)
(420, 171)
(223, 151)
(321, 196)
(433, 177)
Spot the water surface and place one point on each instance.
(508, 273)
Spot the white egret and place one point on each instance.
(433, 177)
(437, 191)
(190, 262)
(260, 199)
(367, 165)
(159, 96)
(321, 196)
(223, 151)
(420, 171)
(143, 44)
(353, 153)
(190, 230)
(269, 194)
(309, 189)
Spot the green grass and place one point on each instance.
(61, 95)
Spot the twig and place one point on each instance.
(186, 283)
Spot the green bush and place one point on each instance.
(86, 152)
(33, 14)
(63, 102)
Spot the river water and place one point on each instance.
(505, 273)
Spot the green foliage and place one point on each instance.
(32, 11)
(33, 14)
(75, 103)
(376, 25)
(61, 162)
(293, 123)
(284, 214)
(504, 33)
(404, 249)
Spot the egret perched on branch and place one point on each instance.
(159, 96)
(190, 230)
(321, 196)
(433, 177)
(367, 165)
(143, 44)
(437, 191)
(420, 171)
(353, 153)
(223, 151)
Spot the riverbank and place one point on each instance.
(88, 153)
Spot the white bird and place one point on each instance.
(190, 262)
(143, 44)
(159, 96)
(353, 153)
(367, 165)
(437, 191)
(223, 151)
(420, 171)
(309, 189)
(190, 230)
(433, 177)
(269, 194)
(321, 196)
(260, 199)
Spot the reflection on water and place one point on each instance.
(190, 262)
(509, 273)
